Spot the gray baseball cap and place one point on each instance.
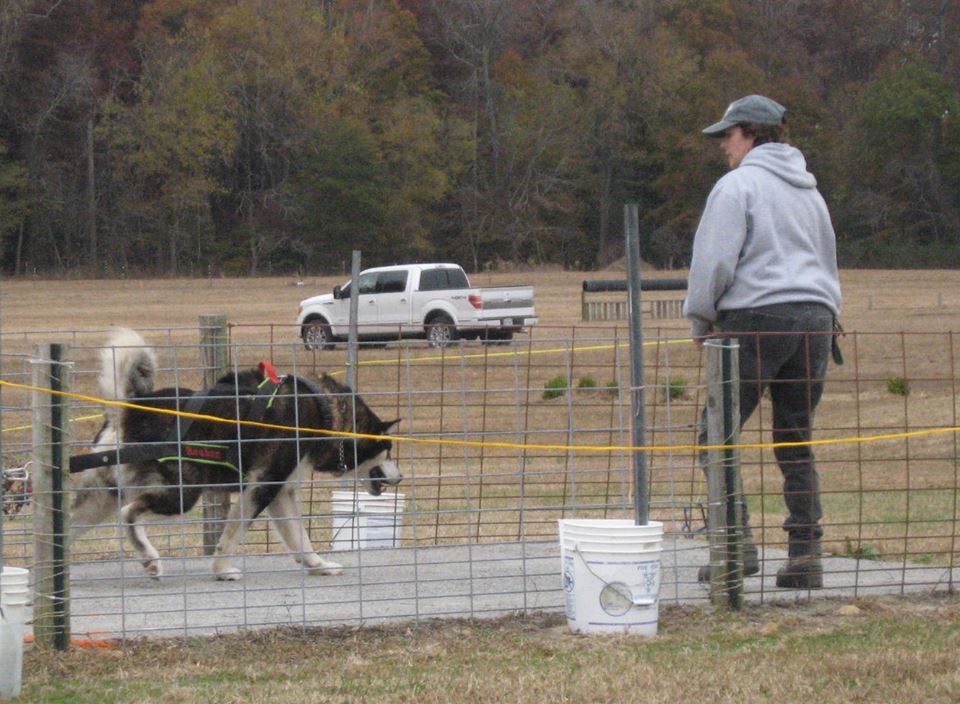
(752, 108)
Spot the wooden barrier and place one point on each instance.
(666, 308)
(606, 309)
(603, 310)
(609, 308)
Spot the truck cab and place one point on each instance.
(435, 301)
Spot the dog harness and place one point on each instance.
(175, 448)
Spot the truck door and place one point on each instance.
(367, 304)
(393, 302)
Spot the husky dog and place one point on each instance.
(164, 460)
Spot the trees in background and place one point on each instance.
(262, 136)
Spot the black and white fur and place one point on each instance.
(272, 461)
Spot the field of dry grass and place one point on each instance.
(897, 497)
(168, 303)
(892, 495)
(874, 301)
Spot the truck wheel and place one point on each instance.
(440, 331)
(316, 336)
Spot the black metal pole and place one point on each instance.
(602, 285)
(59, 595)
(641, 501)
(353, 334)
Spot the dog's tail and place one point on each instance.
(128, 365)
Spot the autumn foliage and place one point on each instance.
(202, 137)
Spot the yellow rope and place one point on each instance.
(502, 445)
(95, 416)
(516, 352)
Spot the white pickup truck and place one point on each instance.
(434, 301)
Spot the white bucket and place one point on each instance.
(611, 575)
(14, 597)
(362, 521)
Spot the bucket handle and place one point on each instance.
(646, 601)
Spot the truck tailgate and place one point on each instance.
(506, 298)
(512, 306)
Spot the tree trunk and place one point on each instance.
(174, 237)
(17, 264)
(605, 188)
(91, 198)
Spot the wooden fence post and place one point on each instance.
(51, 438)
(724, 486)
(214, 351)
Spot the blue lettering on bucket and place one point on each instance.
(639, 563)
(648, 572)
(621, 624)
(569, 582)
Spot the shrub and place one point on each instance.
(898, 386)
(587, 383)
(676, 388)
(863, 551)
(555, 388)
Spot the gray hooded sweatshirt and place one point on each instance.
(765, 237)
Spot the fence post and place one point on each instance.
(51, 566)
(641, 495)
(725, 515)
(214, 351)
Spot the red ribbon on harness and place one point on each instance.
(268, 372)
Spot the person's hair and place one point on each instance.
(764, 134)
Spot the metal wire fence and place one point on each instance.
(497, 442)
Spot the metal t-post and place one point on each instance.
(353, 353)
(352, 333)
(641, 499)
(725, 515)
(214, 351)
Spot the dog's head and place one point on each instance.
(375, 468)
(365, 447)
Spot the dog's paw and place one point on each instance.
(153, 569)
(325, 567)
(317, 565)
(230, 574)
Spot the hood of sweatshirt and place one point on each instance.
(782, 160)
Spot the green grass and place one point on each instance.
(587, 383)
(861, 551)
(559, 385)
(555, 387)
(898, 386)
(676, 388)
(886, 525)
(888, 650)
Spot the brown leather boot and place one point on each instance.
(803, 570)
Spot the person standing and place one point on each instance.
(764, 272)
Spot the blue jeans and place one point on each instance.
(785, 348)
